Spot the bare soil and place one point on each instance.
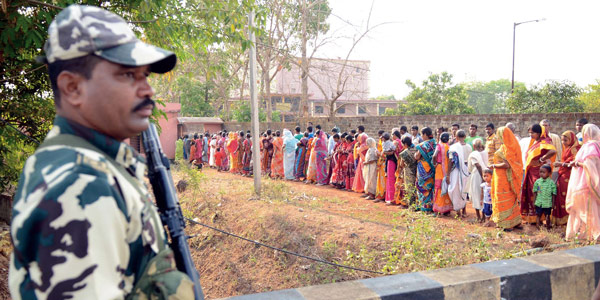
(321, 222)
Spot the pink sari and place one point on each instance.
(359, 182)
(583, 194)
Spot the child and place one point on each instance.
(544, 192)
(486, 197)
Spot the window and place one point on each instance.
(318, 109)
(341, 110)
(362, 110)
(382, 110)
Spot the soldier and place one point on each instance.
(83, 224)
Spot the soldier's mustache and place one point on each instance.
(143, 104)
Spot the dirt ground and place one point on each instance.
(325, 223)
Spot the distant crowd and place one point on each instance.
(509, 180)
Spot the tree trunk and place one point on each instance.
(267, 91)
(304, 65)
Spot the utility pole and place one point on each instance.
(254, 107)
(512, 81)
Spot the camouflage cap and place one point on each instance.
(80, 30)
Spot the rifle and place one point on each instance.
(159, 174)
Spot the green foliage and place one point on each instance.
(489, 97)
(590, 97)
(550, 97)
(15, 149)
(383, 97)
(437, 96)
(242, 112)
(195, 97)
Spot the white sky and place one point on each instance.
(471, 39)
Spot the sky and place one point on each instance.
(469, 39)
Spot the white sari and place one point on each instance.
(213, 147)
(458, 177)
(473, 187)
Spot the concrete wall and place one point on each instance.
(559, 122)
(564, 275)
(168, 134)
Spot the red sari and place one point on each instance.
(277, 162)
(348, 168)
(337, 176)
(536, 150)
(559, 212)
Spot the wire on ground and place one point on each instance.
(285, 251)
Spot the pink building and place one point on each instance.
(168, 134)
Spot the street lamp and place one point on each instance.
(512, 83)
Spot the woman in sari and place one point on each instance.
(311, 171)
(380, 191)
(425, 170)
(370, 167)
(289, 154)
(359, 182)
(391, 160)
(442, 203)
(570, 148)
(540, 152)
(349, 168)
(232, 147)
(506, 180)
(309, 151)
(406, 173)
(240, 152)
(320, 156)
(213, 149)
(583, 194)
(224, 155)
(277, 161)
(476, 164)
(267, 145)
(300, 163)
(338, 160)
(247, 158)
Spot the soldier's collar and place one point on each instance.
(119, 151)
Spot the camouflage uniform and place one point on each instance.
(83, 224)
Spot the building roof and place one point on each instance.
(202, 120)
(170, 107)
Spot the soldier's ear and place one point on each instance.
(70, 87)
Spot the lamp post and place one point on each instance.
(512, 82)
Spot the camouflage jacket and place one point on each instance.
(80, 228)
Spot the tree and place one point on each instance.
(550, 97)
(489, 97)
(383, 97)
(26, 100)
(590, 97)
(437, 96)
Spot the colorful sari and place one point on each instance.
(267, 145)
(232, 147)
(309, 149)
(391, 162)
(380, 193)
(536, 150)
(289, 154)
(370, 168)
(335, 165)
(442, 203)
(247, 157)
(361, 150)
(425, 175)
(348, 168)
(300, 163)
(320, 156)
(583, 195)
(311, 171)
(559, 212)
(277, 160)
(506, 183)
(240, 155)
(223, 154)
(406, 174)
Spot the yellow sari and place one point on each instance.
(506, 183)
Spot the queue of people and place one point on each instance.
(510, 181)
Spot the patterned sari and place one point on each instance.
(224, 156)
(583, 196)
(232, 148)
(311, 171)
(359, 182)
(380, 192)
(559, 212)
(506, 183)
(309, 149)
(348, 168)
(536, 150)
(442, 203)
(391, 162)
(337, 176)
(240, 155)
(247, 158)
(320, 156)
(277, 161)
(406, 173)
(300, 163)
(425, 175)
(267, 145)
(289, 154)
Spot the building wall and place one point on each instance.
(559, 122)
(168, 134)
